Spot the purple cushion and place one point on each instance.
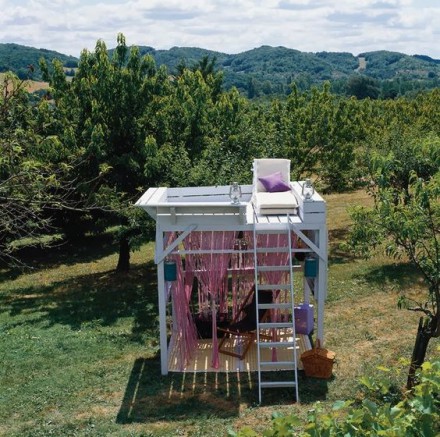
(274, 183)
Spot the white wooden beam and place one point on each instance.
(161, 253)
(320, 251)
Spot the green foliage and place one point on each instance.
(362, 87)
(18, 58)
(416, 413)
(405, 177)
(102, 108)
(405, 219)
(29, 176)
(318, 132)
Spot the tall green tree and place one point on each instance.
(318, 132)
(102, 109)
(362, 87)
(405, 221)
(235, 137)
(194, 119)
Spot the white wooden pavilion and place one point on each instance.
(184, 212)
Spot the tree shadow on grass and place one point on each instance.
(337, 254)
(401, 276)
(82, 250)
(151, 397)
(103, 297)
(310, 390)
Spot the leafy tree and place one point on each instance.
(22, 181)
(35, 171)
(317, 131)
(405, 220)
(197, 122)
(362, 87)
(101, 110)
(252, 88)
(389, 90)
(207, 67)
(234, 139)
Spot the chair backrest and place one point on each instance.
(266, 167)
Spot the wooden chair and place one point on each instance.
(243, 326)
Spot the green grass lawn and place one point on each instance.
(79, 349)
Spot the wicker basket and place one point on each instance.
(318, 362)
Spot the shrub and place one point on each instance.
(416, 414)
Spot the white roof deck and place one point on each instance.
(210, 208)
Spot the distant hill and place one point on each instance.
(18, 58)
(388, 65)
(270, 70)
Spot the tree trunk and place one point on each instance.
(124, 255)
(419, 352)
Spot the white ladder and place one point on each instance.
(284, 343)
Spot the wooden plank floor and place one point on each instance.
(201, 360)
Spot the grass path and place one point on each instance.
(79, 345)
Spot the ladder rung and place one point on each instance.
(278, 364)
(263, 287)
(270, 325)
(274, 384)
(272, 249)
(274, 306)
(273, 268)
(275, 344)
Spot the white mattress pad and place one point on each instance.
(281, 200)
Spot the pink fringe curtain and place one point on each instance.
(212, 272)
(183, 327)
(243, 276)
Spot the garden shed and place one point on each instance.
(242, 273)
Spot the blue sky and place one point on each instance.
(230, 26)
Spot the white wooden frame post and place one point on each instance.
(321, 281)
(162, 292)
(318, 244)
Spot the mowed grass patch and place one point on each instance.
(80, 356)
(68, 337)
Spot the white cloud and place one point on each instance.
(230, 26)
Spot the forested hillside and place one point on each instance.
(24, 61)
(269, 71)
